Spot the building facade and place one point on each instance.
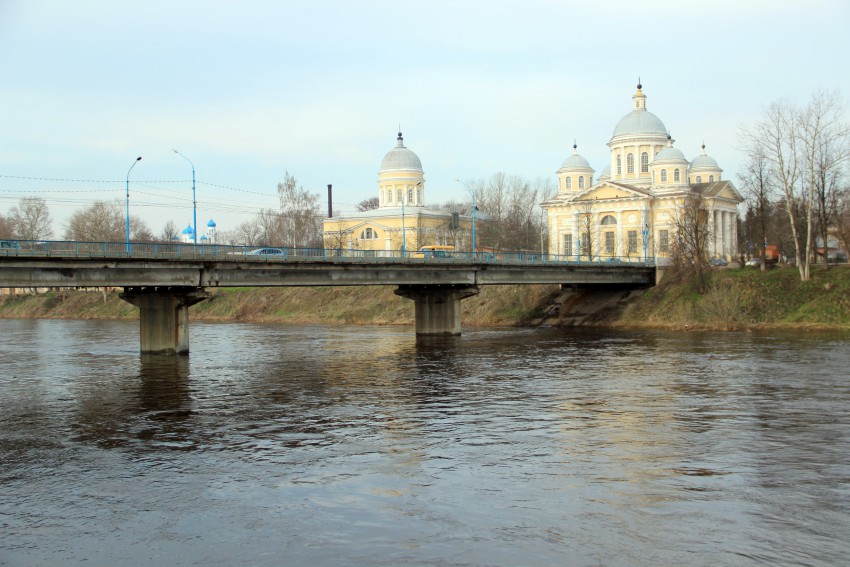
(402, 221)
(631, 208)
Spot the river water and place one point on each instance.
(302, 445)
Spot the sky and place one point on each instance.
(250, 90)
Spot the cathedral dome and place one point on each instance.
(704, 162)
(575, 161)
(670, 153)
(639, 122)
(401, 158)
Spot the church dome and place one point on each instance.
(401, 158)
(211, 224)
(670, 153)
(704, 161)
(639, 122)
(576, 161)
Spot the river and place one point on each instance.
(308, 445)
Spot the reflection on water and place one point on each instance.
(275, 445)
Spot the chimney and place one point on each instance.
(330, 202)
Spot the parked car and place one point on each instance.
(718, 262)
(434, 251)
(267, 252)
(753, 262)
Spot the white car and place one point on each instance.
(753, 262)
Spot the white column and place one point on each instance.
(718, 233)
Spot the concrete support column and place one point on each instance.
(437, 306)
(164, 316)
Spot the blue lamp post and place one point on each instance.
(194, 202)
(138, 159)
(403, 231)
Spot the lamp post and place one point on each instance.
(194, 202)
(472, 191)
(138, 159)
(403, 231)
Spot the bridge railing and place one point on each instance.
(179, 250)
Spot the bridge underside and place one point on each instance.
(164, 316)
(437, 306)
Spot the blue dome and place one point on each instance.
(401, 158)
(188, 230)
(211, 223)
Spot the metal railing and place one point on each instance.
(220, 252)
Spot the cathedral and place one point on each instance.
(630, 209)
(401, 221)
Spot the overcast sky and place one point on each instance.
(250, 89)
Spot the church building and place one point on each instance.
(401, 221)
(630, 208)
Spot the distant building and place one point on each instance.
(188, 234)
(401, 219)
(631, 207)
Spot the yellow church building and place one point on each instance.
(401, 222)
(630, 209)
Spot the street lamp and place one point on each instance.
(472, 191)
(138, 159)
(194, 202)
(403, 231)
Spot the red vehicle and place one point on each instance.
(771, 254)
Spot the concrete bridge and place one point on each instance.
(164, 280)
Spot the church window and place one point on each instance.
(419, 196)
(664, 241)
(568, 245)
(711, 179)
(630, 163)
(581, 181)
(400, 196)
(368, 234)
(619, 166)
(410, 196)
(663, 176)
(699, 178)
(676, 175)
(568, 182)
(632, 241)
(389, 196)
(608, 219)
(609, 243)
(644, 162)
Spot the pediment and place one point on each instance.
(607, 190)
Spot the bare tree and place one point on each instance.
(368, 204)
(6, 231)
(805, 150)
(300, 215)
(842, 218)
(588, 226)
(758, 187)
(169, 232)
(30, 220)
(689, 249)
(105, 222)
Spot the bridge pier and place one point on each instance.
(437, 306)
(164, 316)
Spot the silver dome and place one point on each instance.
(668, 154)
(704, 162)
(639, 122)
(401, 158)
(575, 161)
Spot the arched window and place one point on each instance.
(568, 182)
(676, 175)
(368, 234)
(410, 195)
(711, 179)
(390, 196)
(581, 181)
(619, 166)
(400, 195)
(699, 178)
(419, 196)
(608, 219)
(644, 162)
(630, 163)
(663, 176)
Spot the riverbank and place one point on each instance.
(744, 298)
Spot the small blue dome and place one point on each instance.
(188, 230)
(204, 237)
(211, 223)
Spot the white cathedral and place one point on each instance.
(631, 208)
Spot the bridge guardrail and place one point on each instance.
(175, 250)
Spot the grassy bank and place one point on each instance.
(734, 299)
(747, 298)
(494, 306)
